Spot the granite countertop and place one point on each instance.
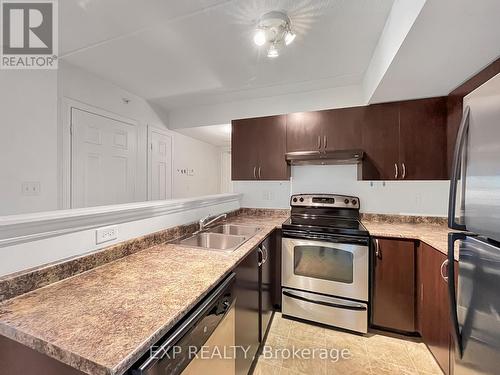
(101, 321)
(433, 234)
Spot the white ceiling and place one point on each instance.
(450, 41)
(216, 135)
(184, 53)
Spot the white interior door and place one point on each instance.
(103, 162)
(160, 164)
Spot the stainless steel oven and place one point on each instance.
(325, 262)
(336, 269)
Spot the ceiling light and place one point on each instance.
(274, 30)
(260, 37)
(272, 52)
(289, 37)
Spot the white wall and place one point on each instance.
(203, 159)
(28, 139)
(264, 194)
(427, 198)
(396, 197)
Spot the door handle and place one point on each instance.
(403, 176)
(455, 172)
(261, 260)
(323, 303)
(259, 174)
(443, 266)
(378, 253)
(396, 170)
(325, 142)
(319, 142)
(264, 253)
(255, 172)
(452, 297)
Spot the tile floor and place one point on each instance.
(357, 355)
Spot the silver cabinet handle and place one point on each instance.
(378, 254)
(259, 174)
(403, 176)
(443, 266)
(396, 170)
(255, 172)
(319, 142)
(261, 262)
(325, 142)
(264, 249)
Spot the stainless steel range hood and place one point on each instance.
(325, 157)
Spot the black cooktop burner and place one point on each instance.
(323, 224)
(329, 214)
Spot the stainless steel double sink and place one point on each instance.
(225, 237)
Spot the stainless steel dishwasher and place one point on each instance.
(211, 326)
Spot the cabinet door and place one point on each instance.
(423, 139)
(303, 131)
(247, 311)
(244, 153)
(394, 285)
(433, 305)
(342, 128)
(270, 143)
(267, 284)
(380, 140)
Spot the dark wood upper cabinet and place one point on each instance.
(303, 131)
(333, 129)
(405, 140)
(258, 149)
(380, 141)
(244, 158)
(432, 305)
(342, 128)
(394, 285)
(401, 140)
(422, 136)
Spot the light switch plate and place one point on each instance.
(106, 234)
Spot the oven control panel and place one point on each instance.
(324, 200)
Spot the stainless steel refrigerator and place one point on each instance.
(475, 207)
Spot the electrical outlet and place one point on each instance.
(30, 188)
(106, 234)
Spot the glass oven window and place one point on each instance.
(326, 263)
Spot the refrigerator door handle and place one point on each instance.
(455, 328)
(455, 172)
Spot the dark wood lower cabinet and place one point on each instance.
(393, 305)
(255, 293)
(247, 311)
(410, 294)
(16, 358)
(266, 285)
(434, 314)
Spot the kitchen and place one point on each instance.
(267, 187)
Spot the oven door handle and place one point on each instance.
(329, 304)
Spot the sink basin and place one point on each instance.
(234, 230)
(213, 241)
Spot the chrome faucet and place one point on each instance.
(203, 223)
